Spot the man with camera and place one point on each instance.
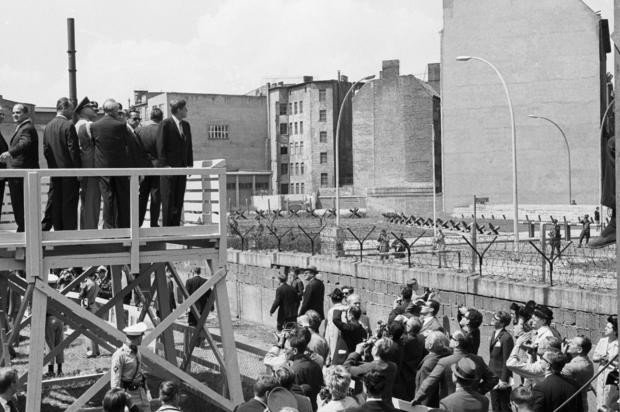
(580, 368)
(352, 330)
(532, 369)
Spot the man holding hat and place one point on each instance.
(285, 302)
(89, 291)
(54, 330)
(466, 398)
(90, 196)
(313, 294)
(126, 371)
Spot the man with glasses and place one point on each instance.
(580, 368)
(556, 389)
(532, 370)
(23, 153)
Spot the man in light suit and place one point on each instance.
(62, 151)
(174, 149)
(500, 346)
(580, 368)
(429, 319)
(23, 153)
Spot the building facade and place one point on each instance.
(551, 56)
(231, 127)
(302, 130)
(396, 121)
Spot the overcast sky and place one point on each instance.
(210, 46)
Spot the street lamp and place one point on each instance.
(570, 191)
(372, 76)
(515, 199)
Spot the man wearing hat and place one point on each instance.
(285, 302)
(89, 291)
(541, 322)
(313, 294)
(62, 151)
(126, 371)
(465, 398)
(54, 329)
(90, 196)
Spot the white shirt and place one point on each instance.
(178, 123)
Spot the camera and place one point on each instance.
(529, 347)
(283, 335)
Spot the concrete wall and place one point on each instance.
(548, 52)
(252, 281)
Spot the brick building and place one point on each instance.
(394, 118)
(552, 57)
(231, 127)
(302, 128)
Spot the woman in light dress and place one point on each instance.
(606, 350)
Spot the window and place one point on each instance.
(282, 109)
(284, 169)
(301, 110)
(301, 148)
(283, 149)
(292, 188)
(322, 115)
(230, 186)
(283, 128)
(295, 127)
(302, 189)
(290, 128)
(292, 170)
(301, 127)
(297, 188)
(218, 132)
(296, 168)
(263, 185)
(284, 189)
(323, 157)
(324, 180)
(292, 148)
(295, 108)
(302, 168)
(290, 108)
(323, 137)
(297, 148)
(322, 95)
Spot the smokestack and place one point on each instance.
(71, 53)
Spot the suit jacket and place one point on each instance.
(308, 372)
(148, 136)
(387, 369)
(60, 144)
(553, 391)
(24, 147)
(580, 369)
(3, 148)
(465, 401)
(500, 347)
(431, 326)
(372, 406)
(412, 354)
(173, 149)
(138, 155)
(313, 297)
(252, 405)
(286, 300)
(110, 137)
(425, 368)
(352, 333)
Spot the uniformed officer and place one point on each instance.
(54, 334)
(89, 290)
(127, 368)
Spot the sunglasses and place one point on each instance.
(136, 119)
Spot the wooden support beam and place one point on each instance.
(197, 332)
(151, 298)
(164, 310)
(78, 279)
(37, 340)
(92, 391)
(141, 297)
(117, 275)
(17, 322)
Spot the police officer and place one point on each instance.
(127, 368)
(89, 291)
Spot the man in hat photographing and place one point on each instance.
(466, 397)
(313, 294)
(89, 291)
(126, 370)
(285, 302)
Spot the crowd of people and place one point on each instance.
(78, 137)
(335, 361)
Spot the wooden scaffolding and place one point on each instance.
(146, 252)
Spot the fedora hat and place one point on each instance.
(465, 369)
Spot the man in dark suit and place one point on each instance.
(148, 136)
(313, 293)
(192, 284)
(555, 389)
(3, 148)
(500, 346)
(111, 136)
(23, 153)
(465, 398)
(174, 149)
(286, 301)
(139, 158)
(62, 151)
(375, 386)
(263, 385)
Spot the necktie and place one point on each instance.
(12, 406)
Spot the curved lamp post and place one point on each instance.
(515, 192)
(337, 153)
(570, 187)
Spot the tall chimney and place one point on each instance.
(71, 53)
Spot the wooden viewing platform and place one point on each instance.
(145, 252)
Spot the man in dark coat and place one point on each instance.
(3, 148)
(307, 371)
(263, 385)
(62, 151)
(286, 301)
(111, 136)
(192, 284)
(23, 153)
(148, 136)
(313, 293)
(465, 398)
(174, 149)
(375, 386)
(555, 389)
(141, 158)
(500, 346)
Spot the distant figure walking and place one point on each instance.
(440, 246)
(384, 245)
(585, 231)
(555, 238)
